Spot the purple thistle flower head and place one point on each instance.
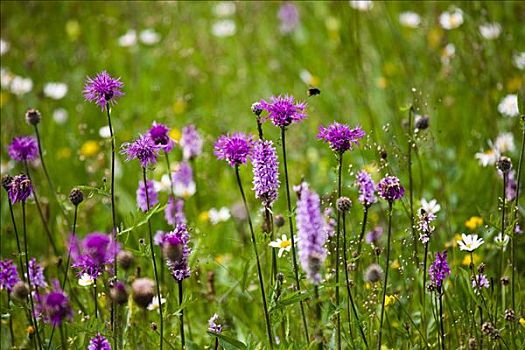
(159, 133)
(214, 325)
(283, 111)
(190, 142)
(54, 307)
(372, 237)
(234, 148)
(289, 17)
(8, 275)
(99, 342)
(36, 274)
(265, 172)
(19, 189)
(183, 184)
(439, 269)
(144, 149)
(95, 252)
(174, 212)
(141, 195)
(311, 233)
(23, 149)
(175, 243)
(390, 188)
(366, 188)
(103, 89)
(340, 137)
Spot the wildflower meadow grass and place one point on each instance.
(262, 175)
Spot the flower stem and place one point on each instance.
(157, 282)
(35, 322)
(348, 290)
(337, 249)
(181, 316)
(11, 333)
(269, 220)
(261, 282)
(360, 242)
(386, 275)
(410, 181)
(318, 315)
(423, 312)
(442, 333)
(294, 257)
(17, 239)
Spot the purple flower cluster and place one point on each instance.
(141, 195)
(190, 142)
(19, 189)
(103, 89)
(54, 307)
(366, 186)
(390, 188)
(177, 241)
(183, 184)
(480, 281)
(99, 342)
(283, 111)
(439, 269)
(174, 212)
(265, 172)
(235, 148)
(23, 149)
(8, 275)
(36, 274)
(329, 222)
(289, 17)
(372, 237)
(144, 149)
(159, 133)
(213, 324)
(92, 255)
(311, 235)
(511, 185)
(424, 225)
(340, 137)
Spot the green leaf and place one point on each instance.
(227, 341)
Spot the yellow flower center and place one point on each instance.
(285, 244)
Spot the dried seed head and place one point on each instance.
(125, 259)
(143, 290)
(504, 164)
(21, 291)
(279, 220)
(76, 196)
(119, 293)
(505, 280)
(33, 116)
(510, 315)
(344, 204)
(422, 122)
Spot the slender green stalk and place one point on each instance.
(294, 257)
(35, 322)
(11, 333)
(20, 261)
(411, 182)
(348, 290)
(216, 343)
(95, 297)
(181, 317)
(361, 236)
(442, 333)
(423, 311)
(386, 274)
(318, 315)
(259, 272)
(157, 282)
(269, 219)
(337, 249)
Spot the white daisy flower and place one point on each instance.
(505, 142)
(20, 85)
(149, 37)
(502, 240)
(224, 9)
(215, 216)
(4, 47)
(409, 19)
(164, 185)
(154, 305)
(85, 280)
(361, 5)
(447, 53)
(184, 191)
(56, 91)
(6, 77)
(129, 39)
(284, 244)
(223, 28)
(451, 19)
(104, 132)
(519, 60)
(470, 242)
(490, 31)
(488, 157)
(509, 106)
(60, 115)
(431, 206)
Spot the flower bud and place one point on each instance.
(344, 204)
(119, 293)
(504, 164)
(76, 196)
(33, 116)
(125, 259)
(21, 291)
(279, 220)
(143, 290)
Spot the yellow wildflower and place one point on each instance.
(389, 300)
(89, 148)
(522, 321)
(203, 216)
(466, 259)
(175, 134)
(474, 222)
(395, 264)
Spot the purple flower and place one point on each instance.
(92, 255)
(19, 189)
(480, 281)
(372, 237)
(144, 149)
(511, 185)
(265, 172)
(366, 188)
(99, 342)
(102, 89)
(329, 221)
(424, 225)
(141, 195)
(183, 184)
(439, 269)
(190, 142)
(23, 148)
(54, 307)
(310, 232)
(390, 188)
(159, 133)
(213, 324)
(340, 137)
(176, 250)
(8, 275)
(36, 274)
(283, 111)
(174, 212)
(289, 16)
(235, 148)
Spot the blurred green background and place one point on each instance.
(205, 63)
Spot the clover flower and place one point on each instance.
(265, 172)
